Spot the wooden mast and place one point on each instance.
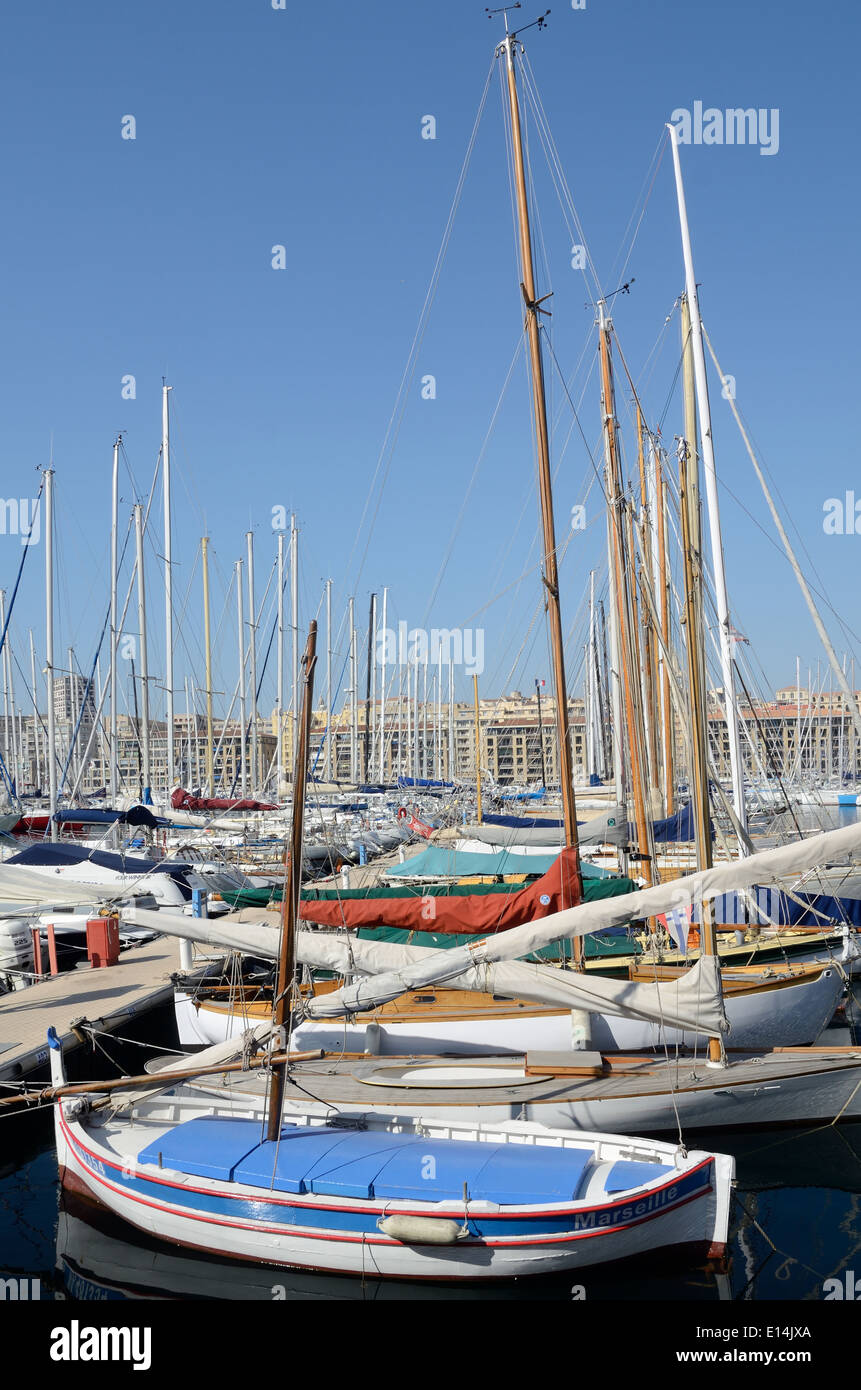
(616, 502)
(649, 642)
(666, 707)
(292, 886)
(550, 568)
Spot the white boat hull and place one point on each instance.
(686, 1207)
(790, 1016)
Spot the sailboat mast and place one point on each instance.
(477, 746)
(49, 647)
(252, 663)
(366, 750)
(168, 582)
(329, 732)
(144, 664)
(721, 599)
(293, 884)
(354, 700)
(699, 745)
(210, 764)
(381, 733)
(279, 703)
(37, 733)
(666, 707)
(452, 766)
(592, 723)
(114, 634)
(240, 632)
(624, 617)
(294, 622)
(649, 642)
(550, 568)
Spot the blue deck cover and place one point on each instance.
(335, 1161)
(208, 1147)
(367, 1164)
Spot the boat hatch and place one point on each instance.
(624, 1175)
(456, 1075)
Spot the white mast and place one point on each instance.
(188, 765)
(240, 629)
(721, 599)
(73, 762)
(48, 475)
(382, 724)
(404, 767)
(10, 751)
(168, 584)
(114, 635)
(144, 665)
(592, 694)
(354, 706)
(425, 720)
(451, 757)
(330, 734)
(279, 701)
(438, 748)
(37, 733)
(416, 714)
(252, 663)
(5, 683)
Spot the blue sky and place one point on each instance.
(257, 127)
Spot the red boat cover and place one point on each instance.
(182, 801)
(477, 914)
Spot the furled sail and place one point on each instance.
(473, 914)
(690, 1001)
(766, 867)
(610, 828)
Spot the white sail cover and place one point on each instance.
(25, 886)
(767, 867)
(691, 1001)
(609, 828)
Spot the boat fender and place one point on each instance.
(581, 1030)
(421, 1230)
(373, 1039)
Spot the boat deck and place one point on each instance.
(107, 997)
(394, 1082)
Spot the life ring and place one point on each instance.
(403, 813)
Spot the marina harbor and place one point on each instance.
(430, 742)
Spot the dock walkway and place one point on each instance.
(107, 997)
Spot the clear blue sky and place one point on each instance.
(257, 127)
